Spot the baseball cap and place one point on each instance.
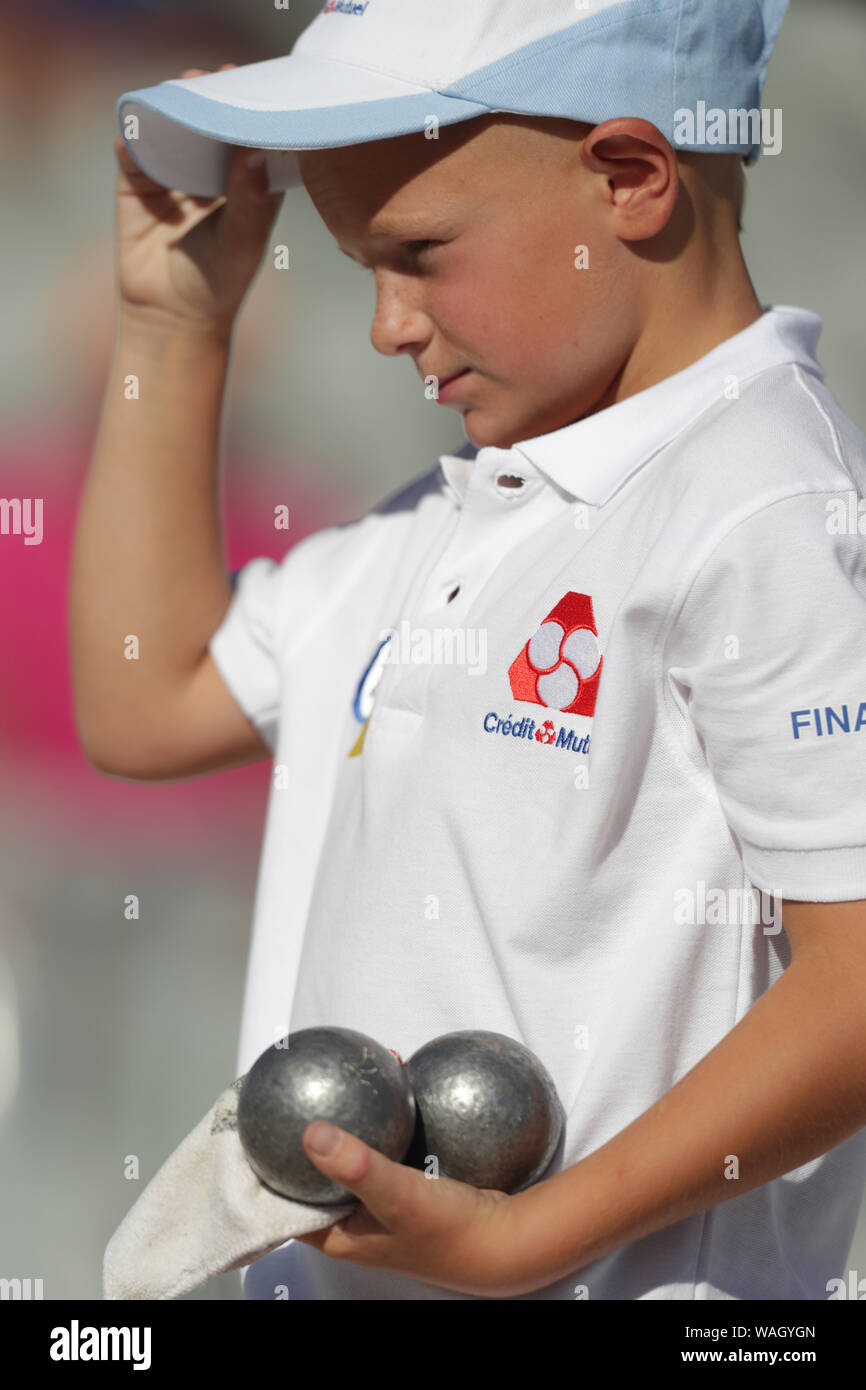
(374, 69)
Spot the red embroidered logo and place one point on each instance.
(560, 666)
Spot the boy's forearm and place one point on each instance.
(772, 1095)
(148, 558)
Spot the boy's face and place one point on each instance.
(472, 239)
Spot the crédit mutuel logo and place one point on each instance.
(345, 7)
(559, 668)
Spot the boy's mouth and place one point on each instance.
(451, 381)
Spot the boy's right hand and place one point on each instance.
(190, 260)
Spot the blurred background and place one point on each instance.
(116, 1036)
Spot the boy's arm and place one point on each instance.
(148, 562)
(786, 1084)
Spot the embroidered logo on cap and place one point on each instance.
(560, 666)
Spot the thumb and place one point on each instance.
(250, 208)
(390, 1191)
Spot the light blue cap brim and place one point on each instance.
(649, 59)
(185, 140)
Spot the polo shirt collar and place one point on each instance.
(591, 457)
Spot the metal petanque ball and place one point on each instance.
(333, 1074)
(486, 1108)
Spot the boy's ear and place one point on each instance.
(638, 175)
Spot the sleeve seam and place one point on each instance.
(688, 584)
(680, 599)
(800, 377)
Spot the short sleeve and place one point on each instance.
(244, 647)
(765, 664)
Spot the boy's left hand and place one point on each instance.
(434, 1229)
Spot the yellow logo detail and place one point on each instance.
(359, 742)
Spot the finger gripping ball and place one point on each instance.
(486, 1109)
(333, 1074)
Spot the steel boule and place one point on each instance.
(487, 1110)
(334, 1074)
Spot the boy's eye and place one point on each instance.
(416, 248)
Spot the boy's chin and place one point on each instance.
(484, 431)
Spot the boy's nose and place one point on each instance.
(400, 322)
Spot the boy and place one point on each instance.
(645, 547)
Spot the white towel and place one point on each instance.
(204, 1212)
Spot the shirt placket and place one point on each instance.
(496, 509)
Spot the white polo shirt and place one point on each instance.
(652, 706)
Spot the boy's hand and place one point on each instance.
(434, 1229)
(190, 259)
